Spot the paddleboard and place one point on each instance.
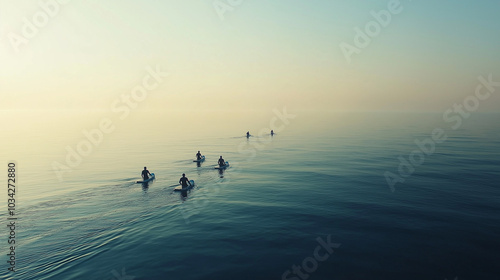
(179, 188)
(201, 160)
(148, 180)
(222, 167)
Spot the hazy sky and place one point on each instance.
(255, 55)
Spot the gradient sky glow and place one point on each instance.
(262, 55)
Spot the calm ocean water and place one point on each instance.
(319, 180)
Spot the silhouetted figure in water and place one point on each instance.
(272, 132)
(221, 162)
(248, 134)
(145, 173)
(184, 181)
(198, 155)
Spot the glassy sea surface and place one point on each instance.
(311, 202)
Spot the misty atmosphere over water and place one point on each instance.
(336, 139)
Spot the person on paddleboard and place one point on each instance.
(248, 134)
(198, 155)
(221, 162)
(272, 132)
(184, 181)
(145, 173)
